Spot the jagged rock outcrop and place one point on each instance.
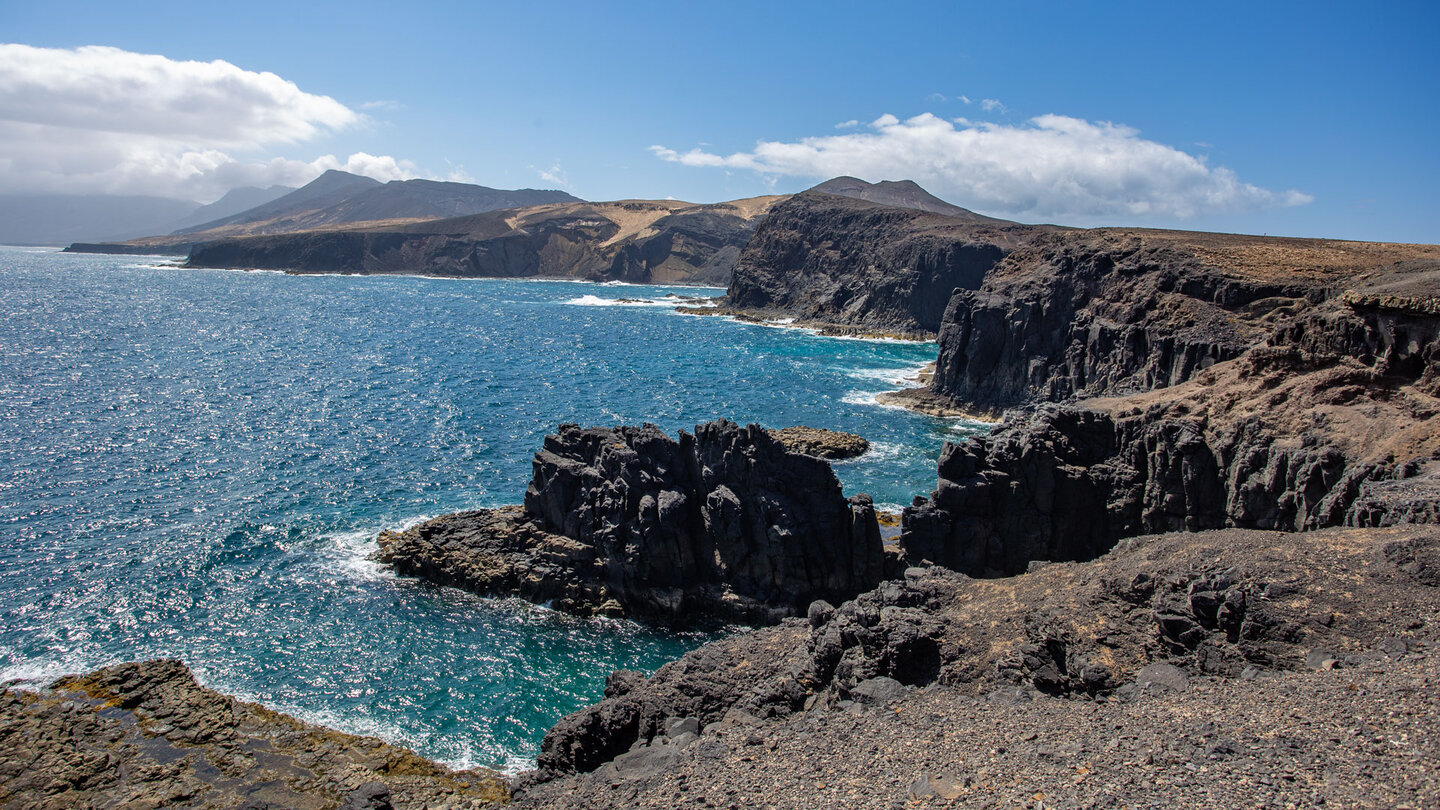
(837, 261)
(147, 735)
(635, 240)
(1226, 603)
(722, 524)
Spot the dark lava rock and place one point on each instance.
(1088, 313)
(723, 524)
(826, 259)
(1289, 435)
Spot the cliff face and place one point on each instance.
(1327, 418)
(723, 524)
(637, 241)
(834, 260)
(1105, 312)
(1092, 313)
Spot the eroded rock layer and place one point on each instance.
(147, 735)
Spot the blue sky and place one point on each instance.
(1307, 119)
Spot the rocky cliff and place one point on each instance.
(637, 241)
(1292, 399)
(1075, 314)
(831, 260)
(724, 524)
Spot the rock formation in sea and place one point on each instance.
(147, 735)
(722, 524)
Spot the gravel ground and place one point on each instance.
(1361, 736)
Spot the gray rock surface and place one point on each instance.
(1156, 610)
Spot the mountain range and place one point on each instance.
(172, 226)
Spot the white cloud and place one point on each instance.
(1052, 166)
(555, 175)
(851, 124)
(963, 99)
(101, 119)
(991, 105)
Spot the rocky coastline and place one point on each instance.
(1197, 562)
(638, 241)
(147, 735)
(726, 524)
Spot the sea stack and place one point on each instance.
(725, 524)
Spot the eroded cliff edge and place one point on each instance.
(1291, 394)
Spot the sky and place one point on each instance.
(1298, 119)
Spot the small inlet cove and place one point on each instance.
(197, 462)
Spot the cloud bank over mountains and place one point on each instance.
(1051, 166)
(98, 119)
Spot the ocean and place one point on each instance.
(195, 463)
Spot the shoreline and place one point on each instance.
(817, 327)
(924, 401)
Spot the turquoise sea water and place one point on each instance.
(194, 463)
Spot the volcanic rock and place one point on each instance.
(1160, 611)
(726, 524)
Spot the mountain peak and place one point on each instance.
(897, 193)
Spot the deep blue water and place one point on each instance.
(194, 463)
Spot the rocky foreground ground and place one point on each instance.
(1228, 668)
(1219, 669)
